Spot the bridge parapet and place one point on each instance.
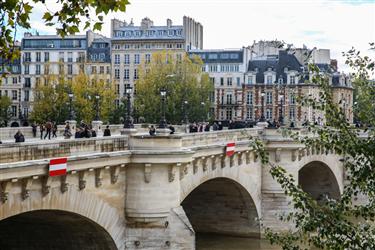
(16, 152)
(214, 137)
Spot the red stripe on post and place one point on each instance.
(58, 161)
(231, 144)
(57, 172)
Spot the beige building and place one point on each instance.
(133, 45)
(10, 86)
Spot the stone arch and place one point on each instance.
(53, 229)
(222, 206)
(81, 203)
(14, 124)
(317, 179)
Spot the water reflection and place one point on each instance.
(220, 242)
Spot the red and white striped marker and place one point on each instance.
(57, 166)
(230, 148)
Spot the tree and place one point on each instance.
(51, 100)
(15, 14)
(85, 91)
(343, 223)
(5, 113)
(183, 79)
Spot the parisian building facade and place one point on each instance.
(263, 79)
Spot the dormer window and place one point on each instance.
(269, 69)
(286, 69)
(269, 79)
(292, 80)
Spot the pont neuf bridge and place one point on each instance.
(137, 191)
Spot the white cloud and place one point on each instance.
(334, 24)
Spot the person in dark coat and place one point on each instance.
(54, 130)
(41, 129)
(107, 131)
(19, 137)
(152, 130)
(171, 128)
(48, 130)
(34, 129)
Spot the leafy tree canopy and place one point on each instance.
(15, 14)
(188, 88)
(334, 224)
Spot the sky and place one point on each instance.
(330, 24)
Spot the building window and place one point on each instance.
(292, 98)
(212, 80)
(148, 58)
(292, 114)
(27, 69)
(14, 111)
(117, 59)
(14, 95)
(126, 74)
(127, 59)
(117, 73)
(292, 80)
(229, 98)
(61, 56)
(179, 45)
(136, 59)
(27, 96)
(250, 80)
(37, 69)
(27, 57)
(101, 69)
(221, 81)
(249, 98)
(213, 68)
(37, 81)
(46, 69)
(46, 56)
(238, 81)
(14, 80)
(269, 114)
(269, 79)
(38, 56)
(108, 70)
(229, 114)
(61, 69)
(249, 114)
(269, 98)
(93, 69)
(70, 57)
(27, 82)
(229, 81)
(70, 69)
(135, 74)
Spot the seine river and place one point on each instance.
(220, 242)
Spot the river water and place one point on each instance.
(220, 242)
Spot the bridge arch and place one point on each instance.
(86, 207)
(53, 229)
(222, 206)
(317, 178)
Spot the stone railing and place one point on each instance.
(214, 137)
(13, 152)
(7, 133)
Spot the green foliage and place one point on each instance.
(15, 14)
(184, 81)
(51, 100)
(5, 114)
(334, 224)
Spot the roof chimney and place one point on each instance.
(169, 23)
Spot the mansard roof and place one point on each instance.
(277, 64)
(219, 56)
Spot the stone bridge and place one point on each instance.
(143, 192)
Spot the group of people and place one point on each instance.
(47, 129)
(199, 127)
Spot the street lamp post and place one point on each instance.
(70, 106)
(262, 119)
(163, 122)
(202, 107)
(128, 123)
(97, 115)
(281, 118)
(186, 119)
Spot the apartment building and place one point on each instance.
(133, 45)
